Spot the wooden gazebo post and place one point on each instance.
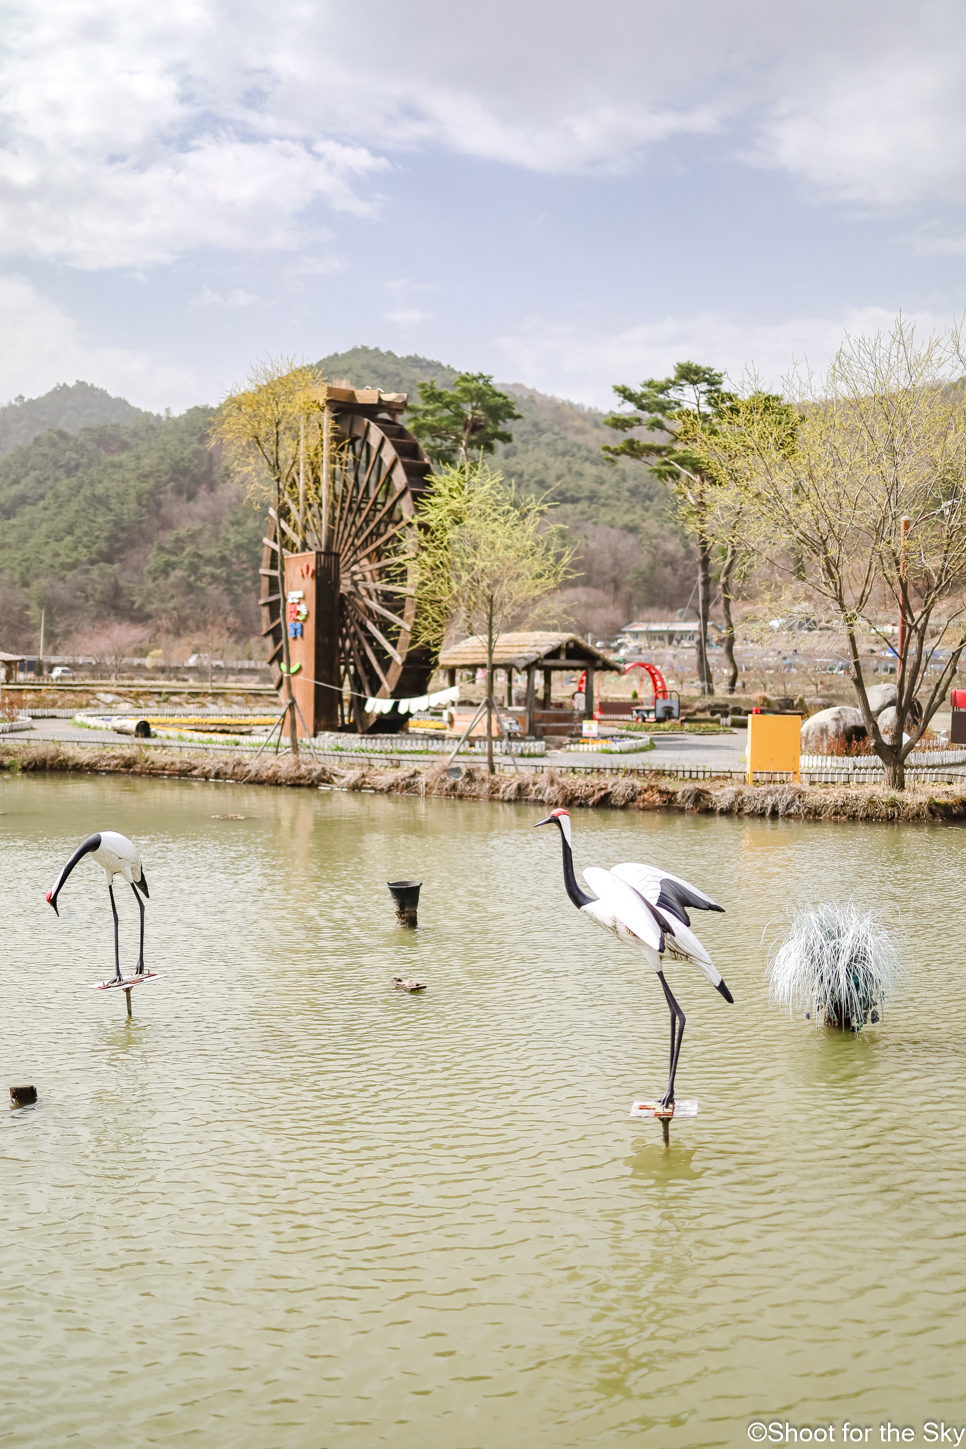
(589, 693)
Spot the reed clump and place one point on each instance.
(572, 790)
(837, 963)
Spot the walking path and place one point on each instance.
(708, 751)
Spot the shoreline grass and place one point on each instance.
(583, 790)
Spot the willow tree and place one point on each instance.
(865, 510)
(487, 558)
(261, 426)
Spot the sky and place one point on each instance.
(559, 194)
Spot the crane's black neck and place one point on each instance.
(580, 898)
(92, 842)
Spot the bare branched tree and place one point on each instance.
(863, 509)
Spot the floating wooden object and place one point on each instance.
(405, 893)
(22, 1096)
(408, 983)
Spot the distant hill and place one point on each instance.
(111, 513)
(136, 522)
(556, 445)
(68, 407)
(371, 367)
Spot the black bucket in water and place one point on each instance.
(405, 893)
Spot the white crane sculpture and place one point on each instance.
(118, 856)
(646, 908)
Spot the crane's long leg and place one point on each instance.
(678, 1020)
(117, 944)
(137, 897)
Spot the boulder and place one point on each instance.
(880, 697)
(832, 731)
(885, 721)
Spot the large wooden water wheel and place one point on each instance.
(349, 541)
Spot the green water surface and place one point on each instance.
(288, 1206)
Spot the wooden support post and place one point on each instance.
(328, 623)
(666, 1130)
(547, 689)
(530, 727)
(127, 995)
(450, 677)
(589, 694)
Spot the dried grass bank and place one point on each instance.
(550, 787)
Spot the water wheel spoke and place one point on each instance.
(290, 531)
(402, 589)
(363, 642)
(371, 603)
(350, 636)
(358, 534)
(364, 622)
(402, 527)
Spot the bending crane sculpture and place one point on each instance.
(118, 856)
(646, 908)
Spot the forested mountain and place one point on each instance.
(70, 408)
(556, 445)
(137, 523)
(131, 517)
(634, 555)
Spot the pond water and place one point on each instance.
(288, 1206)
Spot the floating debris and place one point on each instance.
(407, 983)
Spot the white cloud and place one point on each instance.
(133, 134)
(407, 317)
(209, 298)
(561, 361)
(43, 346)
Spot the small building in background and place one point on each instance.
(10, 667)
(668, 634)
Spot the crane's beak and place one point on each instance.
(548, 821)
(52, 902)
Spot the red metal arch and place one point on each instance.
(657, 679)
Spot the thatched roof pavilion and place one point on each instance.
(526, 652)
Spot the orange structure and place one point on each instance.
(774, 744)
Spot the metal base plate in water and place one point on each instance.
(126, 985)
(651, 1109)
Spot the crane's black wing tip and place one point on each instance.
(725, 992)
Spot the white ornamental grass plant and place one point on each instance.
(837, 963)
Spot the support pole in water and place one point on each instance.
(405, 894)
(22, 1096)
(127, 997)
(664, 1114)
